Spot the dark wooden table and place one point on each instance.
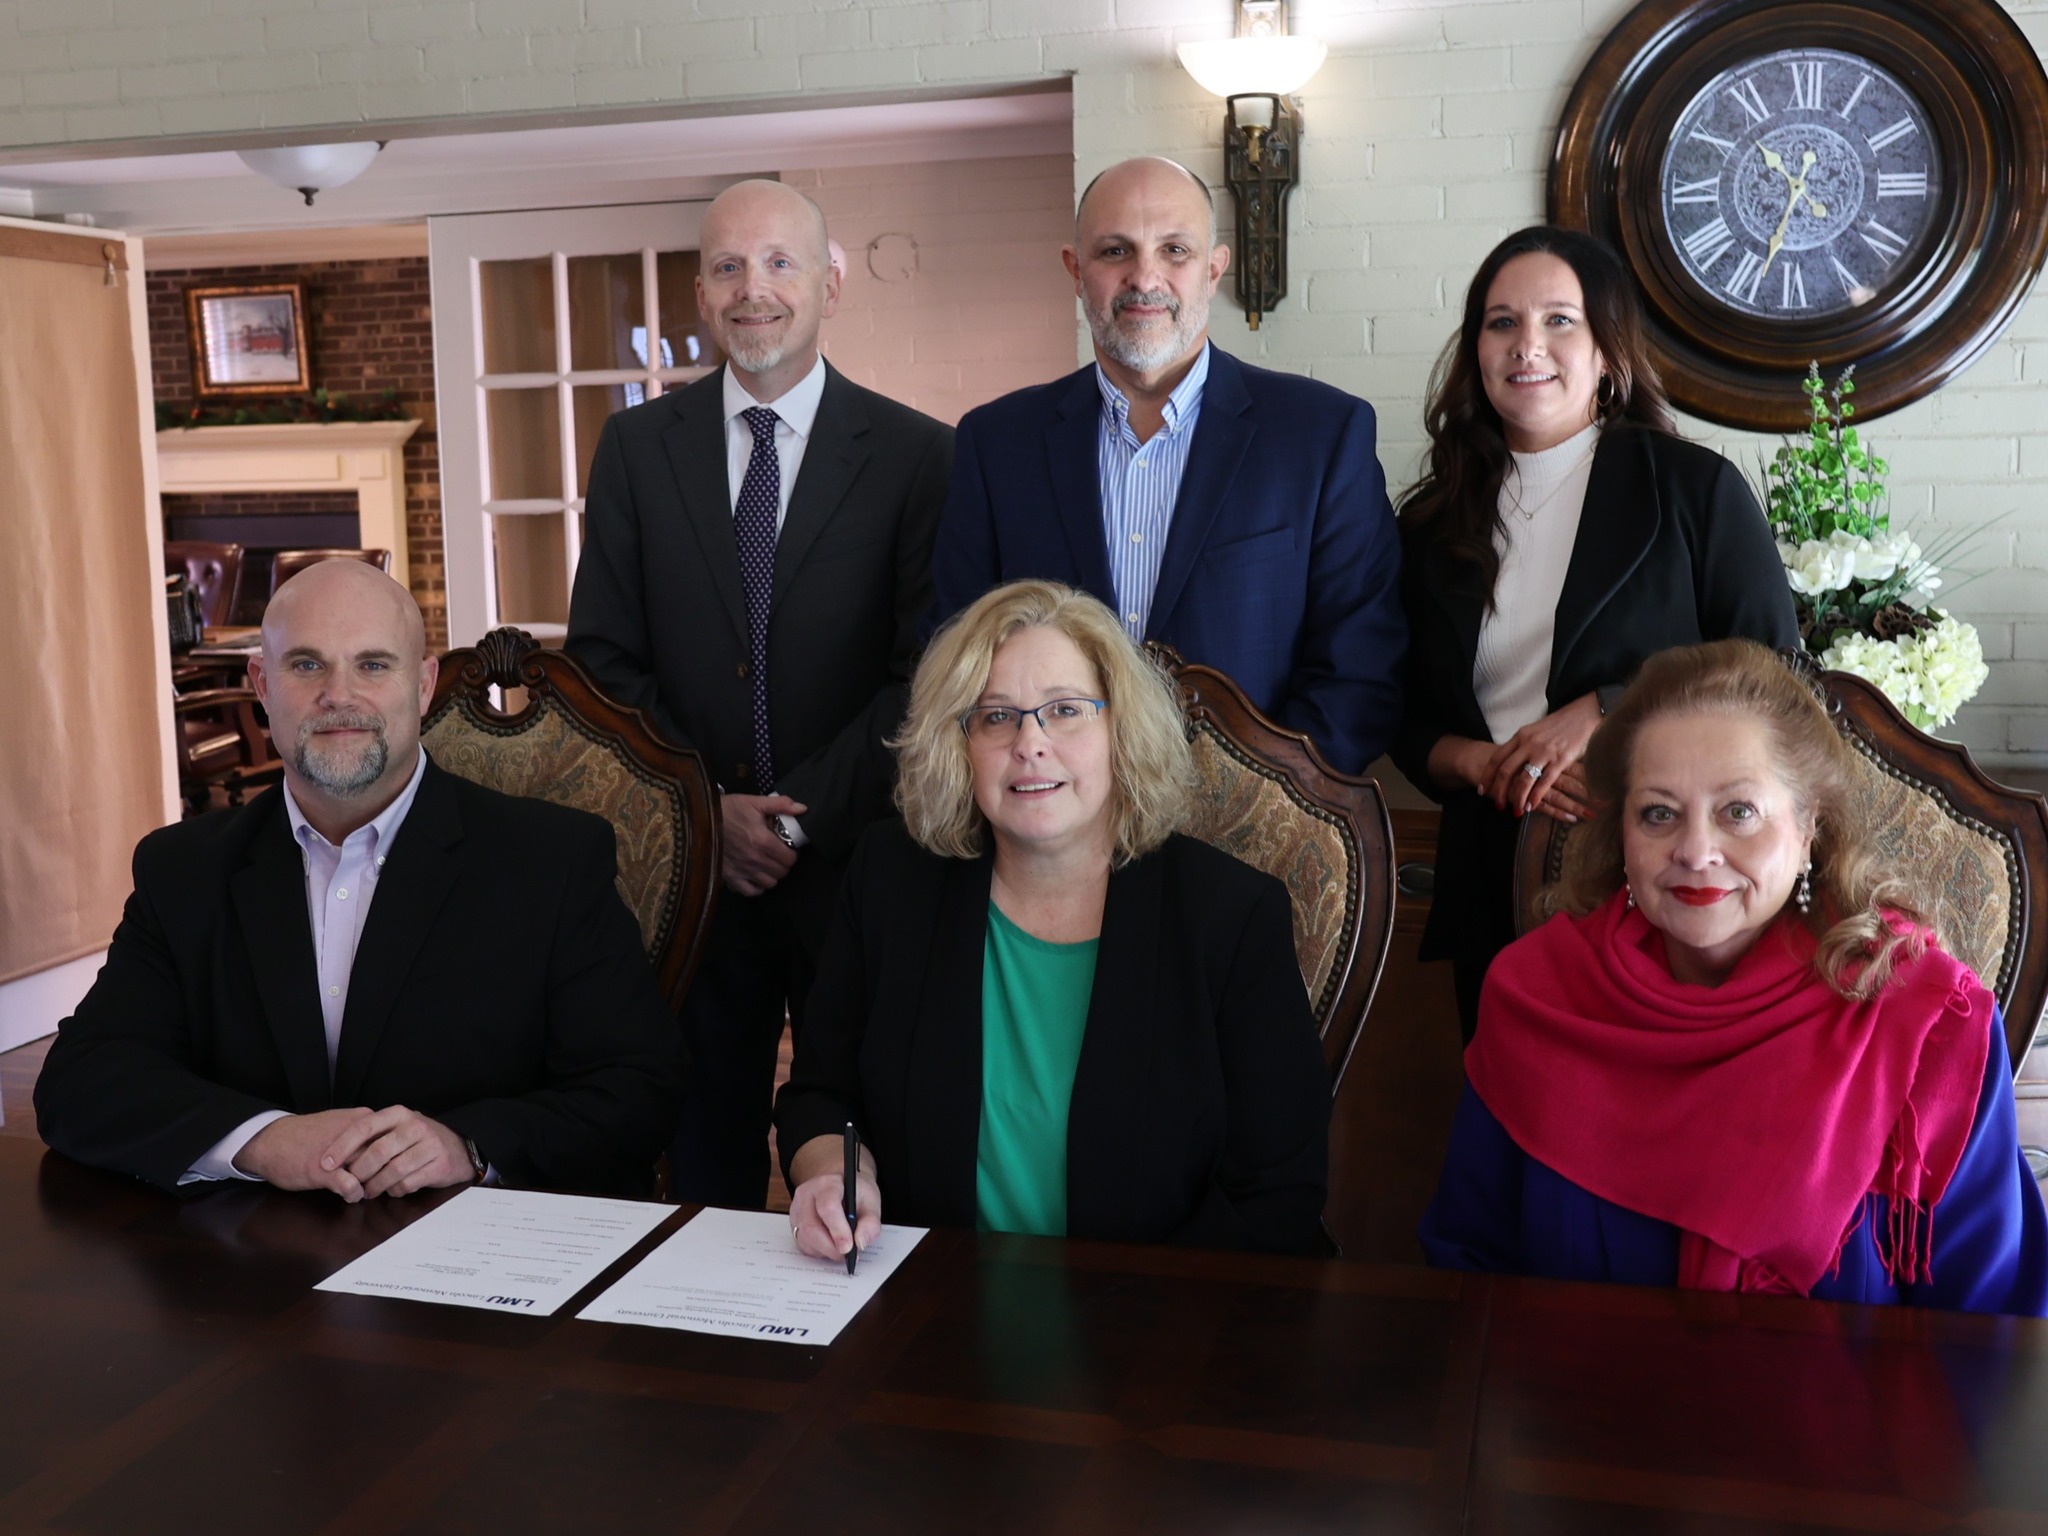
(166, 1367)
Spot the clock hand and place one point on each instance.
(1798, 187)
(1778, 235)
(1774, 160)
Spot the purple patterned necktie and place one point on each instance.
(753, 524)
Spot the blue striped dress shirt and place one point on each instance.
(1140, 484)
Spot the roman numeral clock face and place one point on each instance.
(1796, 184)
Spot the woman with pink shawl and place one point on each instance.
(1737, 1058)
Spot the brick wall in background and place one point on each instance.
(368, 329)
(247, 503)
(988, 308)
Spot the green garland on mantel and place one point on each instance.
(318, 407)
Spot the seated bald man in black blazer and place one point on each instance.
(381, 978)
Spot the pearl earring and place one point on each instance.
(1631, 893)
(1802, 888)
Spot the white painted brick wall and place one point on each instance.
(1429, 132)
(990, 308)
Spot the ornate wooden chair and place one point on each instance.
(568, 743)
(1930, 806)
(1264, 795)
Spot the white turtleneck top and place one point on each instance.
(1541, 497)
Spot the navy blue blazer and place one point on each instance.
(1282, 565)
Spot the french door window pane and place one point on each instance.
(607, 312)
(533, 568)
(519, 315)
(525, 444)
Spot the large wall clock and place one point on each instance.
(1847, 181)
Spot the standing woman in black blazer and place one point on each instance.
(1044, 1009)
(1561, 535)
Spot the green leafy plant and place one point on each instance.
(319, 407)
(1861, 588)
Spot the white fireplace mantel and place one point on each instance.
(367, 457)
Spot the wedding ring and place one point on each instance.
(1534, 770)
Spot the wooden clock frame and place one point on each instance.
(1986, 97)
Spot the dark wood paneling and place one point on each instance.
(1393, 1118)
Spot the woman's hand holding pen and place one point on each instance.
(816, 1218)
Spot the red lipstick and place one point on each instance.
(1699, 896)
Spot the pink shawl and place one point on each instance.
(1755, 1116)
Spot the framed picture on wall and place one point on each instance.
(248, 339)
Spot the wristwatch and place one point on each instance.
(476, 1159)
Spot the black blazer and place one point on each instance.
(499, 987)
(1201, 1103)
(1672, 549)
(659, 611)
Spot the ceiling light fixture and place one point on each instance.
(311, 168)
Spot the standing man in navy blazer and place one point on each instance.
(1237, 514)
(756, 559)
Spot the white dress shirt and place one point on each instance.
(1541, 497)
(340, 884)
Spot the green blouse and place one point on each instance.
(1034, 1010)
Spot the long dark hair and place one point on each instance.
(1468, 451)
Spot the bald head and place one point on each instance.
(745, 204)
(345, 584)
(345, 678)
(1145, 176)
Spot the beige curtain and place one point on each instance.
(80, 608)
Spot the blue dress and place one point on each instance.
(1499, 1209)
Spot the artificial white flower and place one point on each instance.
(1817, 566)
(1929, 675)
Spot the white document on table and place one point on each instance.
(505, 1250)
(738, 1273)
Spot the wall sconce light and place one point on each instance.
(311, 168)
(1256, 72)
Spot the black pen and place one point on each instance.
(852, 1184)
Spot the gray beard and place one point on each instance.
(339, 780)
(751, 356)
(1149, 354)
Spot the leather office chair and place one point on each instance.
(287, 563)
(1265, 796)
(1931, 807)
(568, 743)
(220, 740)
(214, 571)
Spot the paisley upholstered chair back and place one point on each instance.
(570, 744)
(1971, 842)
(1264, 796)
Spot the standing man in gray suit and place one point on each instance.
(757, 556)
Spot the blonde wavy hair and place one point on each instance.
(1856, 894)
(1151, 765)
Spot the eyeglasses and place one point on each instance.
(1056, 717)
